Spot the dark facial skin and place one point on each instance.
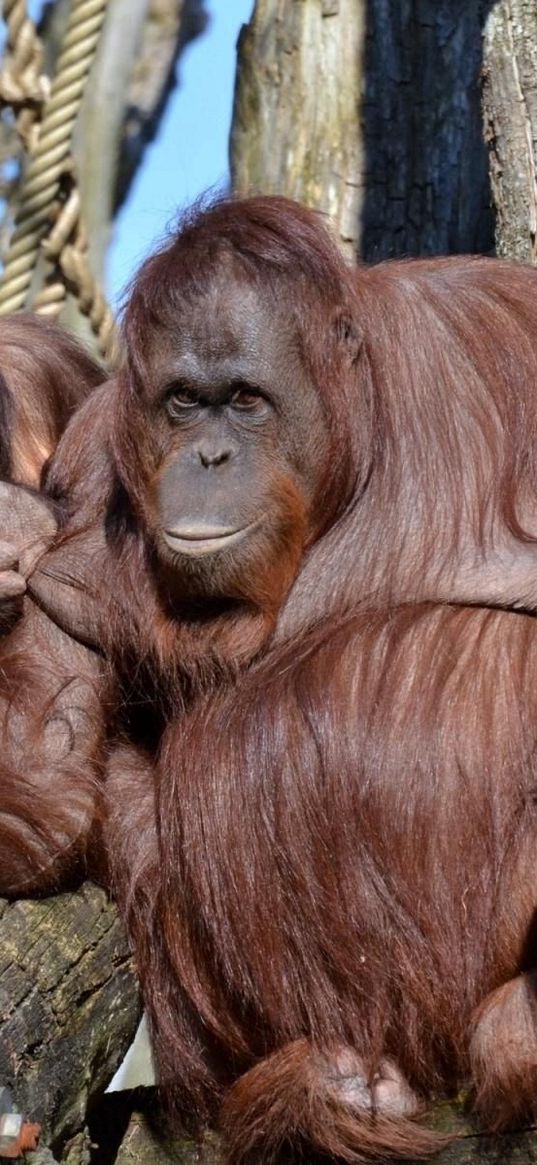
(240, 430)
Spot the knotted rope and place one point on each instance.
(49, 203)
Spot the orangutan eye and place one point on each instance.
(246, 398)
(180, 400)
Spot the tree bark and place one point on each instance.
(296, 102)
(510, 115)
(142, 1144)
(370, 113)
(427, 180)
(68, 1006)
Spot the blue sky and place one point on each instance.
(191, 151)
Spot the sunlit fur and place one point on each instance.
(335, 843)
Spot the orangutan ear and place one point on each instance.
(349, 335)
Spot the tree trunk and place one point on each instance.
(371, 113)
(427, 175)
(510, 114)
(142, 1145)
(68, 1006)
(295, 119)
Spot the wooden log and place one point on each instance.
(472, 1146)
(142, 1145)
(510, 118)
(68, 1006)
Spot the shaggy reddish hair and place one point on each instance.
(44, 375)
(51, 714)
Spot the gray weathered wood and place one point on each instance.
(142, 1146)
(510, 115)
(295, 128)
(472, 1146)
(68, 1005)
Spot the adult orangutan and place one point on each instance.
(317, 507)
(51, 722)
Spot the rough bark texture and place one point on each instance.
(141, 1145)
(370, 112)
(296, 104)
(427, 177)
(510, 112)
(68, 1006)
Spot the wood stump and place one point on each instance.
(68, 1007)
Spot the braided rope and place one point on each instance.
(50, 157)
(21, 79)
(22, 84)
(67, 247)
